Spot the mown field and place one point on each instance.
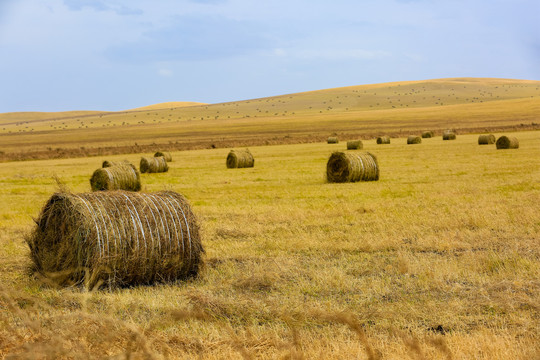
(439, 259)
(366, 111)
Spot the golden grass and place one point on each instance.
(439, 259)
(355, 112)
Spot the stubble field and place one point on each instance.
(438, 259)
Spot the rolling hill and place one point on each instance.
(364, 111)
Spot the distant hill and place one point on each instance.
(363, 111)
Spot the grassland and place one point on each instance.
(439, 259)
(367, 111)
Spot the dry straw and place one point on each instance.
(486, 139)
(332, 140)
(383, 140)
(108, 163)
(413, 139)
(355, 145)
(121, 176)
(116, 238)
(352, 167)
(240, 159)
(427, 134)
(506, 142)
(153, 165)
(166, 155)
(449, 135)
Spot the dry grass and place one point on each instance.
(439, 259)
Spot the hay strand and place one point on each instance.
(507, 142)
(427, 134)
(486, 139)
(240, 159)
(117, 238)
(383, 140)
(122, 176)
(166, 155)
(153, 165)
(332, 140)
(449, 135)
(352, 167)
(355, 145)
(413, 139)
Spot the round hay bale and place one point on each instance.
(108, 163)
(122, 176)
(383, 140)
(413, 139)
(332, 140)
(449, 135)
(116, 238)
(486, 139)
(352, 167)
(153, 165)
(166, 155)
(427, 134)
(506, 142)
(240, 159)
(355, 145)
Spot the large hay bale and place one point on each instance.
(122, 176)
(506, 142)
(240, 159)
(166, 155)
(153, 165)
(116, 238)
(486, 139)
(352, 167)
(108, 163)
(413, 139)
(383, 140)
(448, 135)
(355, 145)
(427, 134)
(332, 140)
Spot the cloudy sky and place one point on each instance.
(58, 55)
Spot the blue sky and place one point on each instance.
(58, 55)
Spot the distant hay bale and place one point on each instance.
(153, 165)
(506, 142)
(116, 238)
(355, 145)
(108, 163)
(449, 135)
(240, 159)
(352, 167)
(427, 134)
(166, 155)
(122, 176)
(383, 140)
(332, 140)
(413, 139)
(486, 139)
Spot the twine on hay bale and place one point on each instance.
(116, 238)
(122, 176)
(153, 165)
(427, 134)
(355, 145)
(166, 155)
(413, 139)
(332, 140)
(383, 140)
(240, 159)
(507, 142)
(352, 167)
(108, 163)
(486, 139)
(449, 135)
